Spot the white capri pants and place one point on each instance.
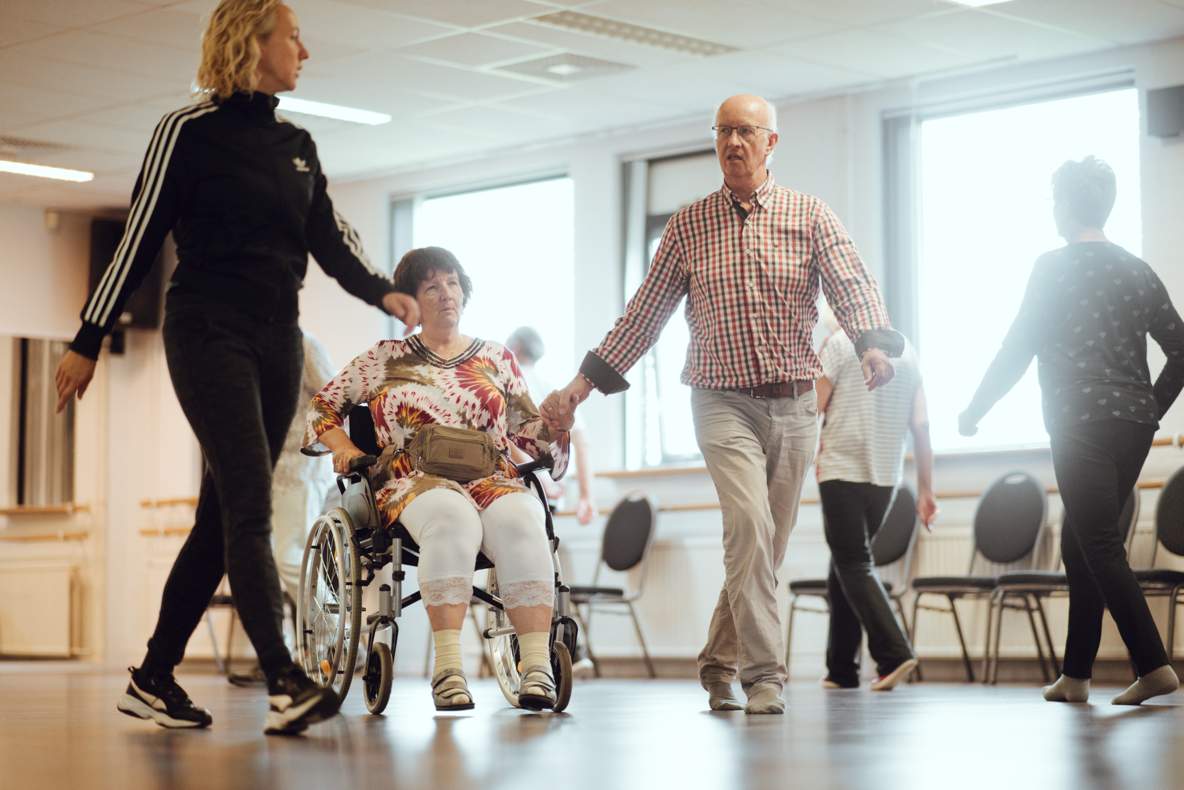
(450, 531)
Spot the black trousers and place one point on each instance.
(1097, 464)
(237, 379)
(851, 515)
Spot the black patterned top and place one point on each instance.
(1085, 316)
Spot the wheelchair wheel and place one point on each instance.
(329, 612)
(503, 650)
(561, 668)
(376, 683)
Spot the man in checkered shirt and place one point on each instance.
(749, 259)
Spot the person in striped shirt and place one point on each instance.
(244, 195)
(749, 259)
(859, 466)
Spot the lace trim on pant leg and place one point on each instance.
(442, 592)
(529, 593)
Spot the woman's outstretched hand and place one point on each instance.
(404, 308)
(73, 376)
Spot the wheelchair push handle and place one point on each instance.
(362, 463)
(541, 464)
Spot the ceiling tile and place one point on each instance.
(462, 13)
(373, 92)
(405, 74)
(374, 149)
(90, 137)
(880, 53)
(139, 117)
(16, 31)
(68, 13)
(163, 27)
(166, 65)
(984, 36)
(1127, 22)
(503, 123)
(864, 12)
(475, 50)
(741, 23)
(24, 105)
(590, 108)
(77, 79)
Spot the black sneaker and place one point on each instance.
(158, 698)
(296, 702)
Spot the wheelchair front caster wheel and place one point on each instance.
(561, 668)
(376, 683)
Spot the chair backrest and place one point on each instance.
(361, 429)
(628, 533)
(895, 535)
(1169, 516)
(1009, 519)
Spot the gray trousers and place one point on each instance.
(757, 452)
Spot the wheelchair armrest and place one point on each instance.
(362, 463)
(543, 464)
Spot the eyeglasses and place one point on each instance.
(746, 132)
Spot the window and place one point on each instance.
(517, 244)
(41, 445)
(984, 214)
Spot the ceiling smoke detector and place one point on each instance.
(635, 34)
(566, 67)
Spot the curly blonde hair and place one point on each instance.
(230, 46)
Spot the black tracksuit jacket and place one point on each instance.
(243, 192)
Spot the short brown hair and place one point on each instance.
(1087, 189)
(420, 264)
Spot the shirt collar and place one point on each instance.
(759, 198)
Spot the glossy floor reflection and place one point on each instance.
(59, 729)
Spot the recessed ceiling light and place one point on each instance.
(563, 69)
(335, 111)
(636, 34)
(45, 171)
(977, 3)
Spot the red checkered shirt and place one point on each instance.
(751, 284)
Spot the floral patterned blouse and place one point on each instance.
(406, 386)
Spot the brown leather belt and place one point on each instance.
(781, 389)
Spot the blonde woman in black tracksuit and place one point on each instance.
(243, 193)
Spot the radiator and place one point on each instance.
(40, 609)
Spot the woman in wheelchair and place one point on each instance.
(440, 377)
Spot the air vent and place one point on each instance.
(635, 34)
(566, 67)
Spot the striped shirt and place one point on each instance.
(751, 280)
(863, 433)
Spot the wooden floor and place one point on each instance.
(59, 729)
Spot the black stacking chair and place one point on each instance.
(1169, 533)
(628, 536)
(892, 553)
(1032, 587)
(1008, 524)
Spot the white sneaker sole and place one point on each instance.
(131, 706)
(295, 718)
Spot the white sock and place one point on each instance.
(1156, 682)
(447, 645)
(535, 649)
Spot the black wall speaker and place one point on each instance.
(144, 308)
(1165, 111)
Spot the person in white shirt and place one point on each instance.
(859, 466)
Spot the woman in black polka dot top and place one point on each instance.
(1086, 314)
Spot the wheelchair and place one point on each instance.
(349, 544)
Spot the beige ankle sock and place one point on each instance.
(535, 649)
(721, 697)
(1156, 682)
(447, 646)
(1068, 689)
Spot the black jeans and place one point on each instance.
(851, 515)
(1097, 464)
(237, 379)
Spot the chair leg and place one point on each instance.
(230, 639)
(793, 607)
(998, 643)
(1052, 650)
(961, 639)
(1173, 602)
(218, 662)
(649, 664)
(987, 639)
(587, 637)
(1044, 669)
